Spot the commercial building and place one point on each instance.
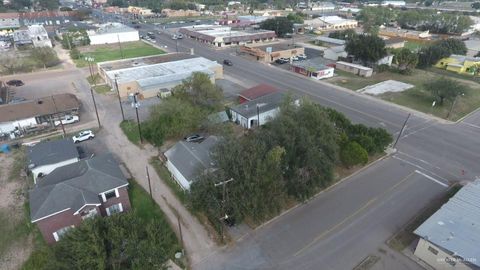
(187, 161)
(331, 23)
(272, 52)
(221, 36)
(354, 68)
(321, 6)
(148, 75)
(73, 193)
(394, 3)
(450, 238)
(112, 33)
(20, 118)
(140, 11)
(329, 41)
(460, 64)
(251, 20)
(180, 13)
(9, 20)
(313, 68)
(403, 33)
(35, 35)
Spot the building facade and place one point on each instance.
(112, 33)
(354, 68)
(270, 53)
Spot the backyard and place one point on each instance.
(108, 52)
(416, 98)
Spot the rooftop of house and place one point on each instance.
(258, 91)
(463, 58)
(51, 152)
(455, 227)
(337, 49)
(75, 185)
(331, 40)
(265, 103)
(37, 30)
(191, 158)
(39, 107)
(314, 64)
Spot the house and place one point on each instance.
(460, 64)
(109, 33)
(331, 23)
(258, 111)
(180, 13)
(313, 68)
(354, 68)
(75, 192)
(140, 11)
(21, 38)
(46, 156)
(386, 60)
(256, 92)
(39, 36)
(19, 118)
(394, 3)
(334, 53)
(186, 161)
(10, 20)
(271, 52)
(321, 6)
(449, 239)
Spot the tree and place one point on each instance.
(295, 17)
(48, 4)
(352, 154)
(443, 48)
(200, 91)
(281, 25)
(445, 89)
(344, 35)
(375, 16)
(75, 53)
(405, 59)
(366, 48)
(45, 57)
(476, 5)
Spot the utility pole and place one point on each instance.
(149, 185)
(258, 115)
(56, 113)
(89, 61)
(224, 216)
(138, 119)
(119, 99)
(181, 235)
(120, 46)
(401, 131)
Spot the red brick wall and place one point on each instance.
(122, 198)
(54, 223)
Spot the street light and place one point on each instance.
(90, 60)
(118, 94)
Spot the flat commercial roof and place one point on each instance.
(109, 28)
(143, 61)
(456, 226)
(211, 32)
(148, 75)
(277, 47)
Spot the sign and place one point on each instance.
(268, 49)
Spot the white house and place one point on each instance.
(258, 111)
(39, 36)
(112, 33)
(46, 156)
(394, 3)
(333, 53)
(186, 161)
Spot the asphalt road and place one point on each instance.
(343, 225)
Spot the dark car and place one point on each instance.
(194, 138)
(15, 83)
(227, 62)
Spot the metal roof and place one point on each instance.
(72, 186)
(109, 28)
(331, 40)
(51, 152)
(265, 103)
(455, 227)
(313, 64)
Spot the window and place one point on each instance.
(89, 213)
(450, 261)
(116, 208)
(110, 194)
(431, 249)
(58, 234)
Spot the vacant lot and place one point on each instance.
(416, 98)
(108, 52)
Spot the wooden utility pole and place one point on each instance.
(224, 210)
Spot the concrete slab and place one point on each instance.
(384, 87)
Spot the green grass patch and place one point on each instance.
(111, 52)
(145, 207)
(14, 228)
(102, 89)
(415, 45)
(447, 73)
(95, 79)
(130, 129)
(167, 178)
(18, 165)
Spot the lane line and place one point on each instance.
(419, 167)
(366, 205)
(431, 178)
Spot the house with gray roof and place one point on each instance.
(186, 161)
(72, 193)
(450, 238)
(46, 156)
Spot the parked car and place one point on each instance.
(83, 136)
(179, 36)
(282, 60)
(227, 62)
(194, 138)
(302, 56)
(68, 119)
(15, 83)
(295, 58)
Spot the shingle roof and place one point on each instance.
(456, 226)
(75, 185)
(51, 152)
(265, 103)
(258, 91)
(192, 158)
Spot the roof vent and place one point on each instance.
(40, 102)
(440, 223)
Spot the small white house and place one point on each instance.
(334, 53)
(259, 111)
(112, 33)
(46, 156)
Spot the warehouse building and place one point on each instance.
(150, 75)
(112, 33)
(331, 23)
(222, 36)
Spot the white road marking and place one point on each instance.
(419, 167)
(470, 125)
(431, 178)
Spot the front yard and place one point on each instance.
(416, 98)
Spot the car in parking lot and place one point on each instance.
(194, 138)
(295, 58)
(68, 119)
(83, 136)
(227, 62)
(282, 60)
(302, 56)
(15, 83)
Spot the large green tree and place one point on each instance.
(352, 154)
(366, 48)
(430, 55)
(445, 89)
(405, 59)
(199, 90)
(372, 17)
(344, 34)
(45, 57)
(281, 25)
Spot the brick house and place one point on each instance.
(69, 194)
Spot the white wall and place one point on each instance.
(7, 127)
(110, 38)
(181, 180)
(439, 260)
(46, 169)
(331, 55)
(264, 117)
(326, 73)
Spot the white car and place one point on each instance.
(68, 119)
(83, 136)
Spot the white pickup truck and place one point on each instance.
(68, 119)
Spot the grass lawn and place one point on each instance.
(102, 89)
(110, 52)
(130, 129)
(416, 45)
(416, 98)
(167, 178)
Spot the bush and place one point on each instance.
(352, 154)
(75, 54)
